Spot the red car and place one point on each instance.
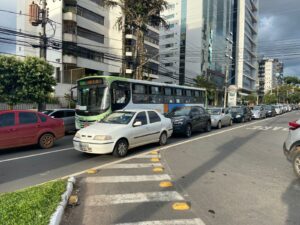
(24, 127)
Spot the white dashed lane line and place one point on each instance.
(127, 179)
(196, 221)
(133, 165)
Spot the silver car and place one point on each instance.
(67, 115)
(259, 112)
(291, 146)
(220, 117)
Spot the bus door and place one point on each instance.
(120, 95)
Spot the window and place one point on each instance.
(58, 114)
(169, 45)
(70, 113)
(141, 117)
(168, 91)
(139, 94)
(155, 90)
(195, 112)
(90, 15)
(42, 118)
(98, 2)
(171, 16)
(179, 92)
(139, 89)
(168, 64)
(188, 93)
(27, 118)
(7, 119)
(153, 117)
(90, 35)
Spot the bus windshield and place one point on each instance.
(92, 100)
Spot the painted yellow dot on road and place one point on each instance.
(180, 206)
(158, 169)
(165, 184)
(155, 160)
(91, 171)
(154, 153)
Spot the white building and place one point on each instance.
(181, 44)
(245, 24)
(269, 73)
(88, 40)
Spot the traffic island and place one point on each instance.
(34, 205)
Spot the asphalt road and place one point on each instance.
(239, 176)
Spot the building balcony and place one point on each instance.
(70, 14)
(70, 37)
(69, 59)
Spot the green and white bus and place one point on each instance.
(98, 96)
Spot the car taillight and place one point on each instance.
(294, 125)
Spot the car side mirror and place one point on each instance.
(137, 123)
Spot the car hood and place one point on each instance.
(102, 129)
(177, 117)
(215, 117)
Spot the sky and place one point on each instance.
(278, 33)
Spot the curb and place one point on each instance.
(57, 215)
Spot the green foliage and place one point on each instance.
(34, 205)
(10, 86)
(202, 81)
(291, 80)
(28, 80)
(251, 99)
(270, 98)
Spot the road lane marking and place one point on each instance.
(34, 155)
(171, 146)
(147, 156)
(180, 206)
(195, 221)
(133, 165)
(139, 197)
(166, 184)
(265, 128)
(122, 179)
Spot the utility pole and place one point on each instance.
(43, 41)
(226, 84)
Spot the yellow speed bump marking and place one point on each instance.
(158, 169)
(180, 206)
(154, 159)
(154, 153)
(165, 184)
(91, 171)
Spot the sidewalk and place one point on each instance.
(135, 192)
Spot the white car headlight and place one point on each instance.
(102, 137)
(77, 135)
(238, 116)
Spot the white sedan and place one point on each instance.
(123, 130)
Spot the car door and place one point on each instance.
(28, 127)
(69, 120)
(139, 135)
(203, 117)
(60, 114)
(8, 131)
(155, 126)
(196, 118)
(227, 116)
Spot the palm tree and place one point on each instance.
(136, 16)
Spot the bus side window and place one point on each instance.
(155, 96)
(120, 92)
(168, 98)
(188, 96)
(140, 94)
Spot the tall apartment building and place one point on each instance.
(181, 44)
(89, 42)
(245, 24)
(270, 73)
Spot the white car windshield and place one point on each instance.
(119, 118)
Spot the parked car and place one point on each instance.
(270, 111)
(188, 119)
(220, 117)
(23, 127)
(278, 109)
(67, 115)
(259, 112)
(123, 130)
(291, 146)
(240, 114)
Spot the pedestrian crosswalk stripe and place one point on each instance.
(133, 165)
(104, 200)
(119, 179)
(168, 222)
(147, 156)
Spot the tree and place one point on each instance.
(36, 79)
(10, 86)
(291, 80)
(136, 15)
(204, 82)
(270, 98)
(251, 99)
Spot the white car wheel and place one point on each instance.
(163, 138)
(121, 148)
(296, 164)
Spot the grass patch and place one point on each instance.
(33, 205)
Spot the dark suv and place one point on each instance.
(240, 114)
(187, 119)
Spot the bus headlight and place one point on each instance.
(102, 138)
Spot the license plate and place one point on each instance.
(84, 147)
